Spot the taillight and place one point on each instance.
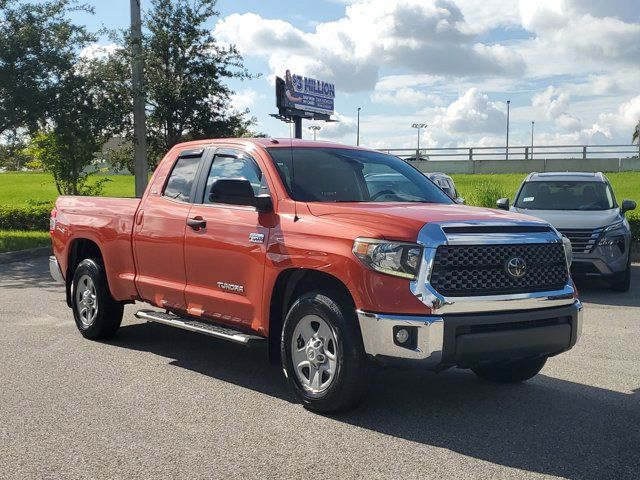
(52, 220)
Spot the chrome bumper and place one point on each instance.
(431, 345)
(54, 269)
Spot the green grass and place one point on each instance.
(626, 185)
(13, 240)
(18, 188)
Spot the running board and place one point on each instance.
(224, 333)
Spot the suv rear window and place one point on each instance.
(569, 195)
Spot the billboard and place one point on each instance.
(305, 94)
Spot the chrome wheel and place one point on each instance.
(86, 301)
(314, 353)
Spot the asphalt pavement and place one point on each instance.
(156, 402)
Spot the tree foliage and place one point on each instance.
(636, 134)
(185, 71)
(39, 46)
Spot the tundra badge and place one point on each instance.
(230, 287)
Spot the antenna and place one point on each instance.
(293, 176)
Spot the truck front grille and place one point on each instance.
(470, 270)
(582, 240)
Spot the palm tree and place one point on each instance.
(636, 134)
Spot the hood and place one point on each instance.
(560, 219)
(402, 221)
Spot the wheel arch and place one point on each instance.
(79, 249)
(290, 285)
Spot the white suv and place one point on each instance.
(583, 208)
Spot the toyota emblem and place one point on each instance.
(516, 267)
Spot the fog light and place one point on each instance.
(402, 335)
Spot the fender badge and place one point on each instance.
(256, 237)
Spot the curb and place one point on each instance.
(10, 257)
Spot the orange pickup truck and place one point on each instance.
(335, 258)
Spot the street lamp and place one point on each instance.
(532, 124)
(418, 126)
(358, 129)
(315, 129)
(507, 149)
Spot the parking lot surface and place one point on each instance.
(156, 402)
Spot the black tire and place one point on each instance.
(622, 283)
(108, 314)
(511, 372)
(350, 380)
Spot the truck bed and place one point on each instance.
(108, 222)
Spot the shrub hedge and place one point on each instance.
(25, 217)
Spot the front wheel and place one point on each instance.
(511, 372)
(322, 354)
(96, 313)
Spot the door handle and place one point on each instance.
(197, 223)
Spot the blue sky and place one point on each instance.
(572, 66)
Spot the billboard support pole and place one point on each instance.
(298, 127)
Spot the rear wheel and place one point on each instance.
(511, 372)
(322, 354)
(96, 313)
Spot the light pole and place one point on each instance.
(507, 149)
(532, 124)
(139, 115)
(315, 129)
(358, 129)
(419, 126)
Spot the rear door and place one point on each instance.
(225, 259)
(159, 234)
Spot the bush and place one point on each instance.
(485, 194)
(634, 222)
(34, 216)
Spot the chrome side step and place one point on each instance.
(224, 333)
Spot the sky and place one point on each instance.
(570, 66)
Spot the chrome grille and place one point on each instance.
(468, 270)
(582, 240)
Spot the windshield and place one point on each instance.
(565, 196)
(346, 175)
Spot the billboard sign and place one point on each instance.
(307, 94)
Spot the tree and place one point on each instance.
(39, 46)
(185, 69)
(636, 134)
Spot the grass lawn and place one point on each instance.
(12, 240)
(626, 185)
(19, 188)
(16, 188)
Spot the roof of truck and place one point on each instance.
(268, 143)
(566, 176)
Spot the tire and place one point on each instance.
(622, 283)
(321, 330)
(511, 372)
(96, 313)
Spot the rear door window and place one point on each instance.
(182, 179)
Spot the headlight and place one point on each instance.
(614, 233)
(393, 258)
(568, 251)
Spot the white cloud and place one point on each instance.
(424, 36)
(473, 112)
(97, 50)
(405, 96)
(244, 99)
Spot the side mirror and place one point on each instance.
(503, 204)
(238, 191)
(459, 201)
(628, 205)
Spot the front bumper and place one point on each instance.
(605, 260)
(466, 340)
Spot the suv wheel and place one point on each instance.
(622, 283)
(322, 354)
(511, 372)
(96, 313)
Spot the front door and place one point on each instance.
(158, 239)
(225, 259)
